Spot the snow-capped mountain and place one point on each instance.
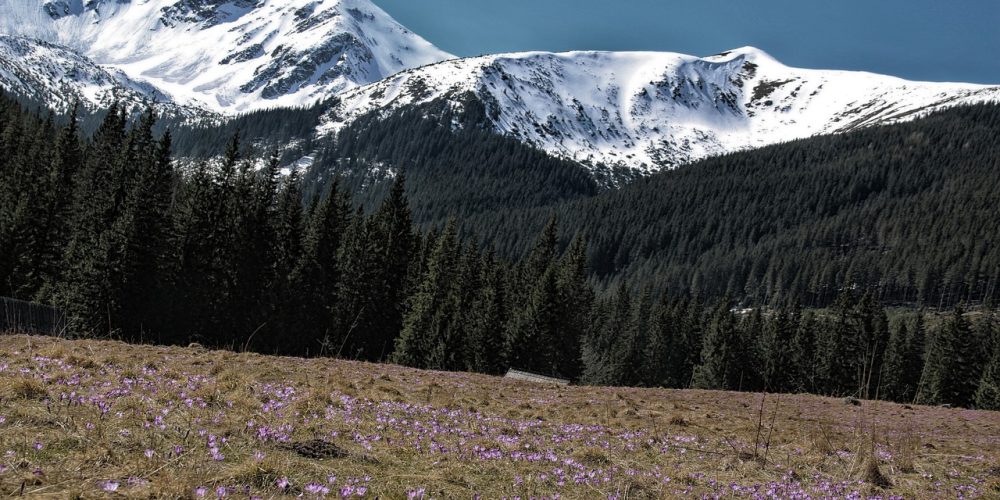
(650, 111)
(641, 110)
(229, 56)
(58, 77)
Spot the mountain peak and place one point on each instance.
(747, 52)
(230, 55)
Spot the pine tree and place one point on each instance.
(609, 343)
(778, 348)
(951, 376)
(804, 354)
(532, 336)
(395, 248)
(485, 341)
(576, 299)
(425, 325)
(893, 369)
(719, 367)
(316, 278)
(662, 341)
(988, 391)
(838, 353)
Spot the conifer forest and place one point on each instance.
(828, 299)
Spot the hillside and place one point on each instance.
(96, 418)
(648, 111)
(906, 209)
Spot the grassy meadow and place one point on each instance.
(101, 419)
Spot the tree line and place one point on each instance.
(849, 349)
(906, 210)
(227, 253)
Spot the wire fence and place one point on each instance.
(18, 316)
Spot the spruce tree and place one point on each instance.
(951, 375)
(395, 249)
(838, 351)
(719, 353)
(778, 348)
(893, 385)
(576, 299)
(610, 344)
(358, 303)
(488, 317)
(987, 395)
(533, 335)
(316, 278)
(93, 258)
(67, 159)
(914, 360)
(804, 354)
(425, 325)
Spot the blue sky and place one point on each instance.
(937, 40)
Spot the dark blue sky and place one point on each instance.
(939, 40)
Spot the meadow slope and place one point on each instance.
(105, 419)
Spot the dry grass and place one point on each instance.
(83, 417)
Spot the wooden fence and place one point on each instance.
(18, 316)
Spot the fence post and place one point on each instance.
(18, 316)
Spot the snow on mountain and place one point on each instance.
(58, 76)
(230, 56)
(649, 111)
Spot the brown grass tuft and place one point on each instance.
(23, 388)
(906, 450)
(872, 474)
(679, 421)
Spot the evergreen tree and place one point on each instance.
(893, 385)
(424, 339)
(752, 352)
(532, 336)
(987, 395)
(358, 303)
(719, 368)
(914, 360)
(316, 277)
(487, 322)
(576, 299)
(804, 354)
(94, 257)
(395, 247)
(838, 354)
(951, 376)
(66, 161)
(779, 345)
(609, 342)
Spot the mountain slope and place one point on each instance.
(908, 209)
(649, 111)
(54, 75)
(230, 56)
